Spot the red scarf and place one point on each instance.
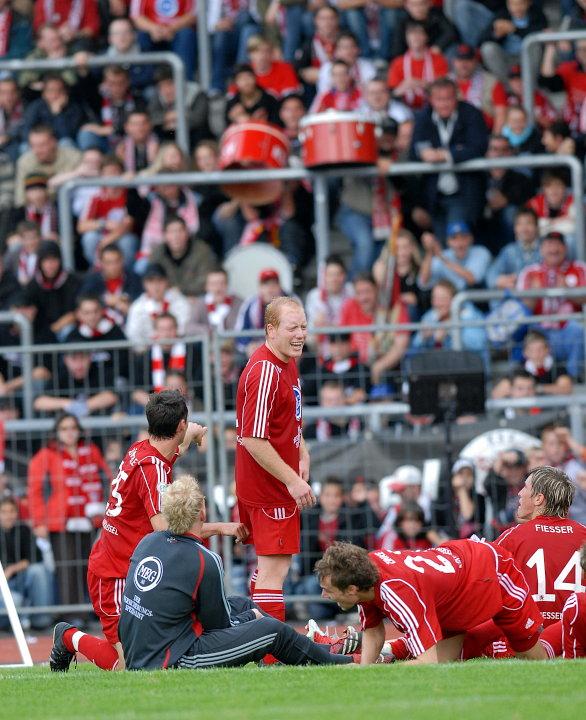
(217, 313)
(114, 286)
(108, 109)
(385, 204)
(54, 284)
(103, 327)
(323, 51)
(27, 265)
(5, 27)
(324, 429)
(176, 362)
(428, 74)
(339, 367)
(543, 210)
(45, 218)
(158, 308)
(73, 19)
(129, 149)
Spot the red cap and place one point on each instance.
(268, 274)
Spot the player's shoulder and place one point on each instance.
(142, 453)
(262, 364)
(510, 534)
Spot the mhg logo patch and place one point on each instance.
(148, 573)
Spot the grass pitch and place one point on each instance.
(495, 690)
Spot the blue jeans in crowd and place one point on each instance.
(229, 47)
(357, 227)
(298, 27)
(127, 243)
(355, 21)
(183, 44)
(32, 587)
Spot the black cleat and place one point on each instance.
(60, 657)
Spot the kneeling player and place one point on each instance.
(175, 612)
(433, 597)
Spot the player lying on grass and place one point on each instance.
(174, 609)
(433, 597)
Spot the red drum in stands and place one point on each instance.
(333, 138)
(249, 146)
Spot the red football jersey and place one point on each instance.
(135, 497)
(432, 594)
(547, 551)
(268, 406)
(162, 12)
(574, 626)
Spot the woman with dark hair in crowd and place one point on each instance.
(411, 533)
(73, 469)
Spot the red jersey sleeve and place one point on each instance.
(572, 644)
(39, 15)
(411, 615)
(499, 95)
(395, 75)
(260, 389)
(150, 481)
(441, 65)
(370, 615)
(507, 539)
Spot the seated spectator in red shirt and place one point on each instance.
(78, 21)
(510, 94)
(554, 206)
(38, 207)
(16, 36)
(107, 219)
(139, 146)
(274, 76)
(475, 85)
(409, 74)
(117, 102)
(569, 76)
(11, 115)
(249, 100)
(320, 48)
(410, 530)
(167, 26)
(22, 259)
(382, 352)
(344, 95)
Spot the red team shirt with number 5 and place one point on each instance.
(268, 407)
(547, 551)
(135, 497)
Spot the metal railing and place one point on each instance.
(203, 47)
(151, 58)
(320, 189)
(528, 73)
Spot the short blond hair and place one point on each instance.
(556, 487)
(273, 309)
(183, 501)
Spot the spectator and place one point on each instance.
(68, 516)
(49, 46)
(122, 41)
(324, 303)
(139, 146)
(56, 110)
(383, 353)
(471, 17)
(410, 73)
(550, 378)
(158, 297)
(274, 76)
(346, 49)
(21, 260)
(166, 201)
(17, 39)
(38, 207)
(52, 291)
(476, 86)
(9, 285)
(555, 208)
(186, 259)
(89, 167)
(291, 111)
(502, 485)
(11, 114)
(501, 46)
(569, 76)
(504, 270)
(521, 384)
(163, 26)
(557, 139)
(116, 287)
(332, 395)
(78, 23)
(377, 103)
(521, 132)
(464, 264)
(217, 308)
(30, 582)
(117, 102)
(411, 533)
(344, 95)
(574, 466)
(231, 25)
(170, 156)
(93, 323)
(320, 48)
(107, 219)
(206, 156)
(469, 507)
(510, 94)
(450, 131)
(44, 157)
(163, 114)
(403, 486)
(252, 310)
(472, 337)
(506, 191)
(249, 100)
(81, 387)
(229, 370)
(440, 31)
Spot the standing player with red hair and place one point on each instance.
(272, 462)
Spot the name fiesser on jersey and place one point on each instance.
(565, 529)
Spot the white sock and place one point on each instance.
(77, 636)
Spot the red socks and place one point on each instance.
(253, 578)
(271, 602)
(98, 651)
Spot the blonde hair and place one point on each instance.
(556, 487)
(273, 310)
(183, 501)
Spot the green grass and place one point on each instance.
(494, 690)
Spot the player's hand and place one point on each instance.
(236, 530)
(301, 492)
(195, 433)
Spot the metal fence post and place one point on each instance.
(211, 440)
(203, 47)
(322, 218)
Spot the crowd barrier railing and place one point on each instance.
(149, 58)
(320, 189)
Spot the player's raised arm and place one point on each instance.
(195, 434)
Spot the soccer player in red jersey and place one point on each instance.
(574, 619)
(272, 462)
(433, 597)
(133, 511)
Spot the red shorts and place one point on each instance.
(273, 530)
(106, 597)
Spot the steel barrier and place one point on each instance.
(150, 58)
(320, 192)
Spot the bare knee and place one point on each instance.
(272, 570)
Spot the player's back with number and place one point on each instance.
(135, 497)
(547, 550)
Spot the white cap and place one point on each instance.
(390, 485)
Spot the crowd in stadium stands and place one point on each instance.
(443, 81)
